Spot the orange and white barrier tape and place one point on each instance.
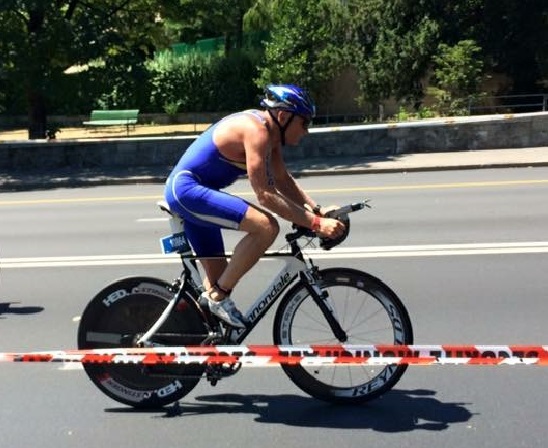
(306, 355)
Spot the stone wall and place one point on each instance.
(455, 134)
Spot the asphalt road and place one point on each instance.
(466, 250)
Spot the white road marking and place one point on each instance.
(152, 219)
(67, 366)
(427, 250)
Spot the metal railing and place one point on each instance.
(509, 103)
(502, 104)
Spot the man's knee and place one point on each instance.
(272, 227)
(259, 223)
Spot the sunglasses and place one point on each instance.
(307, 121)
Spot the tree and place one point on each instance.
(512, 36)
(307, 44)
(396, 41)
(190, 20)
(261, 15)
(516, 42)
(393, 44)
(40, 39)
(458, 72)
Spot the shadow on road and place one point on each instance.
(397, 411)
(71, 177)
(8, 308)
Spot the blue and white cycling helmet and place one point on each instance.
(289, 97)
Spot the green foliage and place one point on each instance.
(407, 113)
(40, 40)
(403, 114)
(182, 79)
(198, 82)
(458, 71)
(514, 40)
(425, 112)
(127, 84)
(307, 44)
(261, 15)
(190, 20)
(233, 87)
(393, 43)
(172, 107)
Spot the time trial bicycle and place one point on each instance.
(315, 306)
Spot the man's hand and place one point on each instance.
(330, 228)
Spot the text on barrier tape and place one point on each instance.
(307, 355)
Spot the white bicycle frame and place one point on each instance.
(289, 273)
(295, 267)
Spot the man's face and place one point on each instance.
(297, 129)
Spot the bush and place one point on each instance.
(205, 83)
(458, 71)
(191, 83)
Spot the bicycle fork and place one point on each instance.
(312, 281)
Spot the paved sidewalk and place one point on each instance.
(493, 158)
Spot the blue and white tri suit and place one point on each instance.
(193, 192)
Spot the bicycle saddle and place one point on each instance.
(164, 206)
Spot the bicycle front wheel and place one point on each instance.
(368, 311)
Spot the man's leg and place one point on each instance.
(198, 204)
(261, 229)
(213, 269)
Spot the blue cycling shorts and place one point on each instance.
(205, 212)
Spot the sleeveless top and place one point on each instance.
(206, 164)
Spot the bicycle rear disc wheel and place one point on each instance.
(115, 318)
(369, 312)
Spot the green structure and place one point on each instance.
(217, 45)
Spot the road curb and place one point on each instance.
(26, 183)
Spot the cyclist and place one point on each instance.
(247, 142)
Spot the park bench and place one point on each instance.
(125, 118)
